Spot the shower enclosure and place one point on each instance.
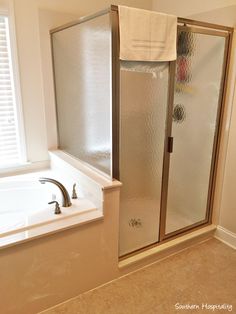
(155, 126)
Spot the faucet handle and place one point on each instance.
(57, 207)
(74, 194)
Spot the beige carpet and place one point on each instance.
(203, 275)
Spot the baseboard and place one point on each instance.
(226, 236)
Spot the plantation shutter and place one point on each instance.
(10, 153)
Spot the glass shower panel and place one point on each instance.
(143, 106)
(196, 100)
(82, 66)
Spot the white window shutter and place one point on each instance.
(10, 152)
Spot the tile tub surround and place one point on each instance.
(204, 273)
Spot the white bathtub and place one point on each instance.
(24, 206)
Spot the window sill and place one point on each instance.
(24, 168)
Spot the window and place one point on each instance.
(11, 146)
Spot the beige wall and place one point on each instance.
(185, 8)
(228, 205)
(3, 4)
(82, 7)
(224, 16)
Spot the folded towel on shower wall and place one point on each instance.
(147, 35)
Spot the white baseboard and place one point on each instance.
(226, 236)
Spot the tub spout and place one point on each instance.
(65, 195)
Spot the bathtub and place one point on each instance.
(24, 208)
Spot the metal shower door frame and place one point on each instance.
(206, 29)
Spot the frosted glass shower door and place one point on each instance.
(143, 106)
(198, 82)
(82, 75)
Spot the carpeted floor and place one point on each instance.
(200, 276)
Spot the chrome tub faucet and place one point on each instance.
(66, 202)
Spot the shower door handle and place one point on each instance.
(170, 144)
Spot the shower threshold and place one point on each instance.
(167, 247)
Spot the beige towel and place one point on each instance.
(147, 35)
